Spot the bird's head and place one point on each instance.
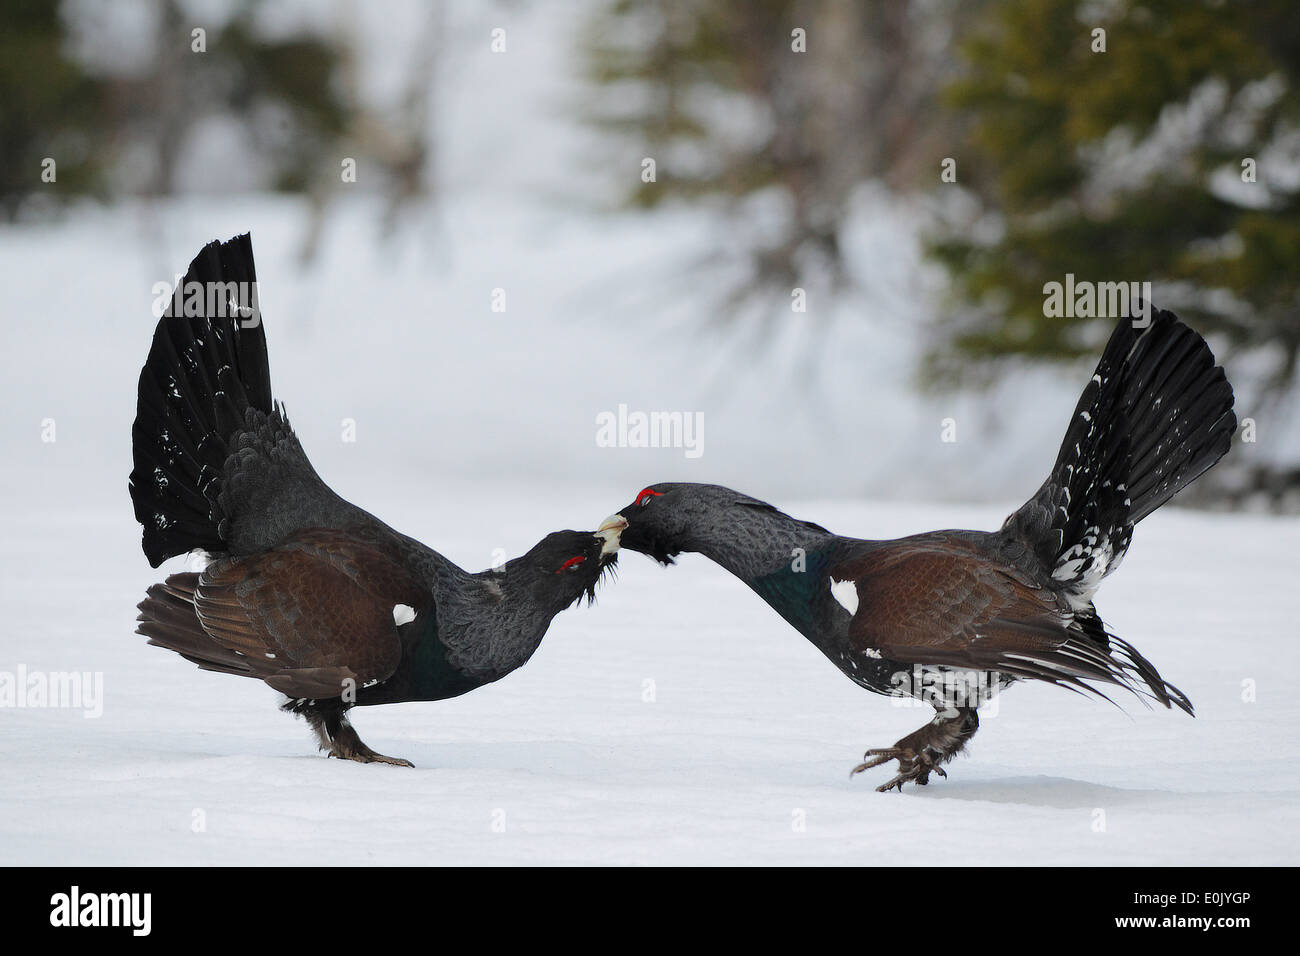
(565, 566)
(665, 519)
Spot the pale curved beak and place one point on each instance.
(609, 530)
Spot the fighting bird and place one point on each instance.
(303, 590)
(952, 617)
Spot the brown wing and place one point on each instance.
(310, 614)
(940, 602)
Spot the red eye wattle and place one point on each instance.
(571, 563)
(646, 494)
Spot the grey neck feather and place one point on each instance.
(753, 541)
(750, 538)
(491, 624)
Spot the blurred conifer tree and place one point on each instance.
(48, 109)
(774, 128)
(1127, 165)
(93, 121)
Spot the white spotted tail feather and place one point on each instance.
(1156, 415)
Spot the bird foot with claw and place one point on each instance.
(366, 755)
(913, 767)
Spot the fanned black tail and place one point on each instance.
(206, 367)
(1155, 416)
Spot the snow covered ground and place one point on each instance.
(677, 721)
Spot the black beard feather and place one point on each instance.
(608, 568)
(659, 552)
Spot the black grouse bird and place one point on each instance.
(952, 616)
(305, 591)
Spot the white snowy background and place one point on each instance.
(475, 432)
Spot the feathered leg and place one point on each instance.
(338, 737)
(924, 751)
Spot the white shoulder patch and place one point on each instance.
(197, 560)
(846, 592)
(402, 614)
